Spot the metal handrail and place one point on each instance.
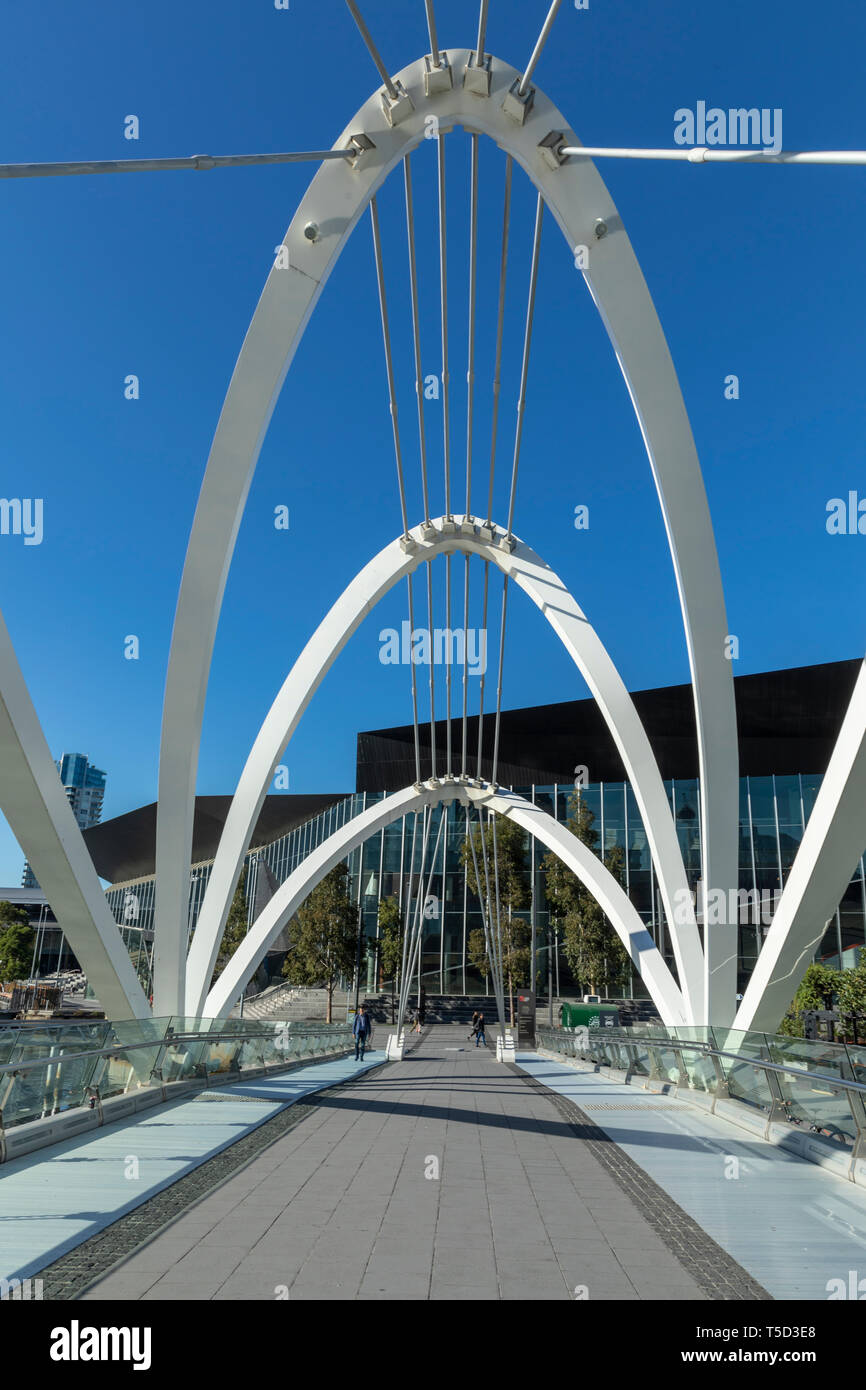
(116, 1049)
(710, 1051)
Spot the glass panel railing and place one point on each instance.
(54, 1068)
(699, 1069)
(820, 1106)
(828, 1058)
(35, 1092)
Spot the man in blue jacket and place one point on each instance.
(362, 1029)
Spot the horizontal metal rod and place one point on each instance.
(699, 154)
(147, 166)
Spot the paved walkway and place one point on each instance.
(792, 1224)
(446, 1176)
(55, 1198)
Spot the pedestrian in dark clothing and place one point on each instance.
(362, 1028)
(479, 1030)
(474, 1022)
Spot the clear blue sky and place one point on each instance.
(754, 272)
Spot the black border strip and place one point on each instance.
(714, 1271)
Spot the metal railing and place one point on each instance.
(48, 1070)
(816, 1088)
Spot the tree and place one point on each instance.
(504, 844)
(236, 927)
(815, 991)
(391, 933)
(851, 1001)
(17, 938)
(323, 936)
(476, 947)
(594, 952)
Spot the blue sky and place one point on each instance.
(754, 272)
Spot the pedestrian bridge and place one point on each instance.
(261, 1164)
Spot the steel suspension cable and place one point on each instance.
(492, 954)
(431, 27)
(482, 33)
(194, 162)
(495, 769)
(470, 403)
(389, 362)
(416, 330)
(527, 345)
(498, 907)
(419, 916)
(372, 49)
(431, 668)
(500, 327)
(483, 679)
(408, 907)
(473, 281)
(446, 423)
(414, 683)
(443, 285)
(410, 956)
(536, 52)
(497, 384)
(518, 436)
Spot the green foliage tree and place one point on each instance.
(323, 936)
(391, 933)
(504, 844)
(816, 990)
(594, 952)
(476, 948)
(851, 1001)
(16, 943)
(236, 927)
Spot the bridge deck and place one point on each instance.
(348, 1204)
(444, 1176)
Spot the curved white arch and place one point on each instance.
(831, 845)
(579, 200)
(42, 821)
(547, 591)
(589, 869)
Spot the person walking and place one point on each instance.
(474, 1023)
(479, 1030)
(362, 1029)
(417, 1017)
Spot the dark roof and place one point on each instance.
(125, 847)
(787, 722)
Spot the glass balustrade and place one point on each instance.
(48, 1069)
(817, 1086)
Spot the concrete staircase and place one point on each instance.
(295, 1004)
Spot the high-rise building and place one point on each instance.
(84, 785)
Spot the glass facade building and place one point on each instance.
(774, 811)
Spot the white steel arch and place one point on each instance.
(832, 843)
(383, 133)
(45, 827)
(522, 565)
(582, 861)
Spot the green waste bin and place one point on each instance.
(578, 1015)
